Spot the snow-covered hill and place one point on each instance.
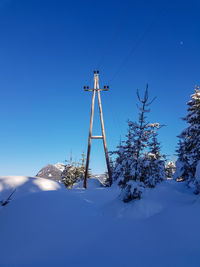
(51, 171)
(95, 228)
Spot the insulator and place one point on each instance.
(95, 72)
(87, 87)
(104, 87)
(84, 87)
(107, 87)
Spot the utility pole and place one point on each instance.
(94, 90)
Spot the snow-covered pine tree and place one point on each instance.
(73, 172)
(189, 145)
(127, 159)
(139, 163)
(123, 170)
(139, 141)
(131, 168)
(82, 166)
(68, 176)
(117, 169)
(154, 160)
(170, 168)
(181, 163)
(124, 161)
(131, 188)
(106, 181)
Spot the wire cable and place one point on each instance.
(138, 42)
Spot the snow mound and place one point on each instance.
(25, 185)
(154, 201)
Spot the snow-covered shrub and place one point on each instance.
(189, 144)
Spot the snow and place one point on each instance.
(25, 185)
(152, 155)
(52, 226)
(197, 174)
(60, 166)
(92, 183)
(52, 171)
(179, 169)
(154, 125)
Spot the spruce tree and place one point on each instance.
(189, 143)
(139, 162)
(155, 160)
(82, 166)
(117, 168)
(73, 172)
(170, 168)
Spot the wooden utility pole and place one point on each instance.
(94, 90)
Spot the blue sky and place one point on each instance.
(48, 52)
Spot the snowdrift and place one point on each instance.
(95, 228)
(25, 185)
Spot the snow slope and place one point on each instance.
(95, 228)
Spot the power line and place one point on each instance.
(136, 45)
(133, 49)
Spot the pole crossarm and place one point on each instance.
(96, 89)
(103, 137)
(90, 90)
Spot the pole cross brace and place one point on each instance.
(97, 137)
